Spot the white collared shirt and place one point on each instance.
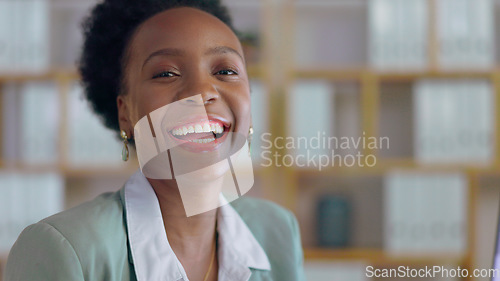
(153, 257)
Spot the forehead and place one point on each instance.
(186, 28)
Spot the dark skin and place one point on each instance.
(176, 54)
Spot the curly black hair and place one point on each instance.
(107, 32)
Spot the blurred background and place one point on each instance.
(423, 74)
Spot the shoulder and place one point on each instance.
(105, 209)
(80, 238)
(38, 251)
(93, 227)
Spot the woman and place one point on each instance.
(139, 57)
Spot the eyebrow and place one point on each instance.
(223, 50)
(173, 52)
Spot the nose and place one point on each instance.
(200, 93)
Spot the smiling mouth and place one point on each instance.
(201, 132)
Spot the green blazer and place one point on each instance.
(90, 242)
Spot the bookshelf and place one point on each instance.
(378, 257)
(287, 30)
(346, 24)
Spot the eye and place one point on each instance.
(165, 74)
(227, 72)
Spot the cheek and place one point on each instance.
(139, 109)
(240, 105)
(146, 100)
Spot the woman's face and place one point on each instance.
(182, 53)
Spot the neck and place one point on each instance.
(191, 237)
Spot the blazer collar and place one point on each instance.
(151, 254)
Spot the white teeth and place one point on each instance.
(199, 128)
(206, 128)
(203, 140)
(218, 129)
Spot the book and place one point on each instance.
(5, 45)
(89, 142)
(24, 36)
(466, 33)
(311, 114)
(398, 34)
(425, 213)
(40, 118)
(454, 121)
(37, 52)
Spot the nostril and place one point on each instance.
(210, 100)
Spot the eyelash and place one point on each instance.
(229, 70)
(164, 74)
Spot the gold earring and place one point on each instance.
(124, 136)
(249, 139)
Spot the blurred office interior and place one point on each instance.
(398, 98)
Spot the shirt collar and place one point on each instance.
(152, 255)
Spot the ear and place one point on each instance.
(124, 115)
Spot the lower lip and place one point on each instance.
(201, 147)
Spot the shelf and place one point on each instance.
(356, 74)
(52, 74)
(388, 164)
(380, 257)
(75, 172)
(409, 76)
(121, 169)
(385, 165)
(382, 166)
(96, 172)
(128, 170)
(330, 74)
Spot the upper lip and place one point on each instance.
(200, 119)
